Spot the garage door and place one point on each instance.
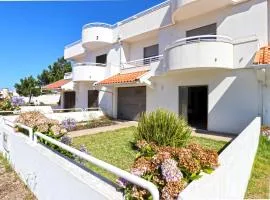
(131, 102)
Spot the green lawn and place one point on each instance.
(115, 147)
(259, 183)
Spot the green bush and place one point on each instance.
(163, 128)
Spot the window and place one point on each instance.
(102, 59)
(210, 29)
(150, 51)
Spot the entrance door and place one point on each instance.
(131, 102)
(92, 98)
(69, 99)
(193, 104)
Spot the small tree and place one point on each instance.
(28, 87)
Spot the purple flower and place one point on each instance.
(83, 149)
(122, 182)
(170, 171)
(17, 101)
(66, 140)
(138, 172)
(69, 124)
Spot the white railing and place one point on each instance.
(145, 12)
(59, 110)
(141, 62)
(90, 63)
(114, 170)
(68, 75)
(99, 24)
(201, 38)
(73, 43)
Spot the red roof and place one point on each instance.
(123, 78)
(262, 56)
(56, 85)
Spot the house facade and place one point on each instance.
(202, 59)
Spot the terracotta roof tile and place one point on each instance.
(262, 56)
(56, 85)
(122, 78)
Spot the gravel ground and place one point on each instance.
(11, 187)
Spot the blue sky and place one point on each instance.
(33, 34)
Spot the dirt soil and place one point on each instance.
(11, 187)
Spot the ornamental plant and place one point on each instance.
(48, 127)
(171, 169)
(69, 124)
(17, 101)
(164, 128)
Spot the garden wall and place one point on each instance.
(48, 175)
(230, 179)
(78, 116)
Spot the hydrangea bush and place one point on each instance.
(169, 168)
(49, 127)
(265, 131)
(69, 124)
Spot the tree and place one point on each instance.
(55, 72)
(28, 86)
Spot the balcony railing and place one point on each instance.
(73, 43)
(201, 38)
(90, 64)
(68, 75)
(145, 62)
(99, 24)
(203, 51)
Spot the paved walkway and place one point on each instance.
(118, 125)
(125, 124)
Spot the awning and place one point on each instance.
(124, 78)
(56, 85)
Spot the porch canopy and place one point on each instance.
(59, 85)
(124, 78)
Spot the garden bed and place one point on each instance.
(95, 123)
(116, 147)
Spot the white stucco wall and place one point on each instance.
(232, 96)
(50, 176)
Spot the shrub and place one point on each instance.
(69, 124)
(169, 168)
(17, 101)
(164, 128)
(7, 105)
(39, 122)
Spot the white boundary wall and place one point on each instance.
(230, 180)
(48, 175)
(78, 116)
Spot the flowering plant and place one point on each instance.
(17, 101)
(69, 124)
(265, 131)
(169, 168)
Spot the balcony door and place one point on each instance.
(69, 99)
(149, 52)
(101, 59)
(210, 29)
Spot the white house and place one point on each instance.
(193, 57)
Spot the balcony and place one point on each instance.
(184, 9)
(205, 51)
(68, 75)
(74, 50)
(88, 72)
(150, 63)
(97, 35)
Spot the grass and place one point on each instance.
(115, 147)
(259, 183)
